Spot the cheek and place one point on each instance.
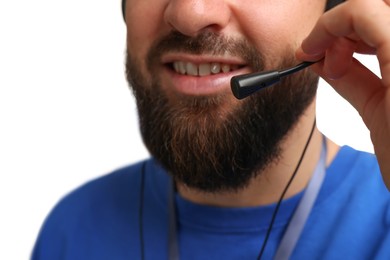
(274, 26)
(304, 19)
(143, 26)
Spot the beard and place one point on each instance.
(201, 141)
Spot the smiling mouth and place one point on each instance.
(202, 69)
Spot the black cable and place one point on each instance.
(284, 192)
(141, 212)
(141, 204)
(297, 68)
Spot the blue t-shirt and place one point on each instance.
(101, 220)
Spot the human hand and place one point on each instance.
(361, 26)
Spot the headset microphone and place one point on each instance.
(247, 84)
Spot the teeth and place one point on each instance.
(225, 68)
(182, 67)
(203, 69)
(192, 69)
(176, 66)
(215, 68)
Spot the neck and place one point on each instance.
(268, 186)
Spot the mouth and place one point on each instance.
(203, 69)
(192, 75)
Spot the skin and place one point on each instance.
(273, 26)
(361, 26)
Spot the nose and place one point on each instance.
(192, 16)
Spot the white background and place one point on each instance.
(66, 114)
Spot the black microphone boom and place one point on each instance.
(247, 84)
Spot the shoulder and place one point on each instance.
(354, 187)
(101, 213)
(354, 191)
(353, 207)
(352, 167)
(111, 188)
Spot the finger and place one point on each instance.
(363, 48)
(338, 58)
(360, 47)
(369, 20)
(353, 87)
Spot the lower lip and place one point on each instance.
(202, 85)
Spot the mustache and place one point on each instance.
(206, 42)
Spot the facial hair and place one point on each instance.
(203, 143)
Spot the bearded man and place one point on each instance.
(241, 179)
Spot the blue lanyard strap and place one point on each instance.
(294, 229)
(302, 212)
